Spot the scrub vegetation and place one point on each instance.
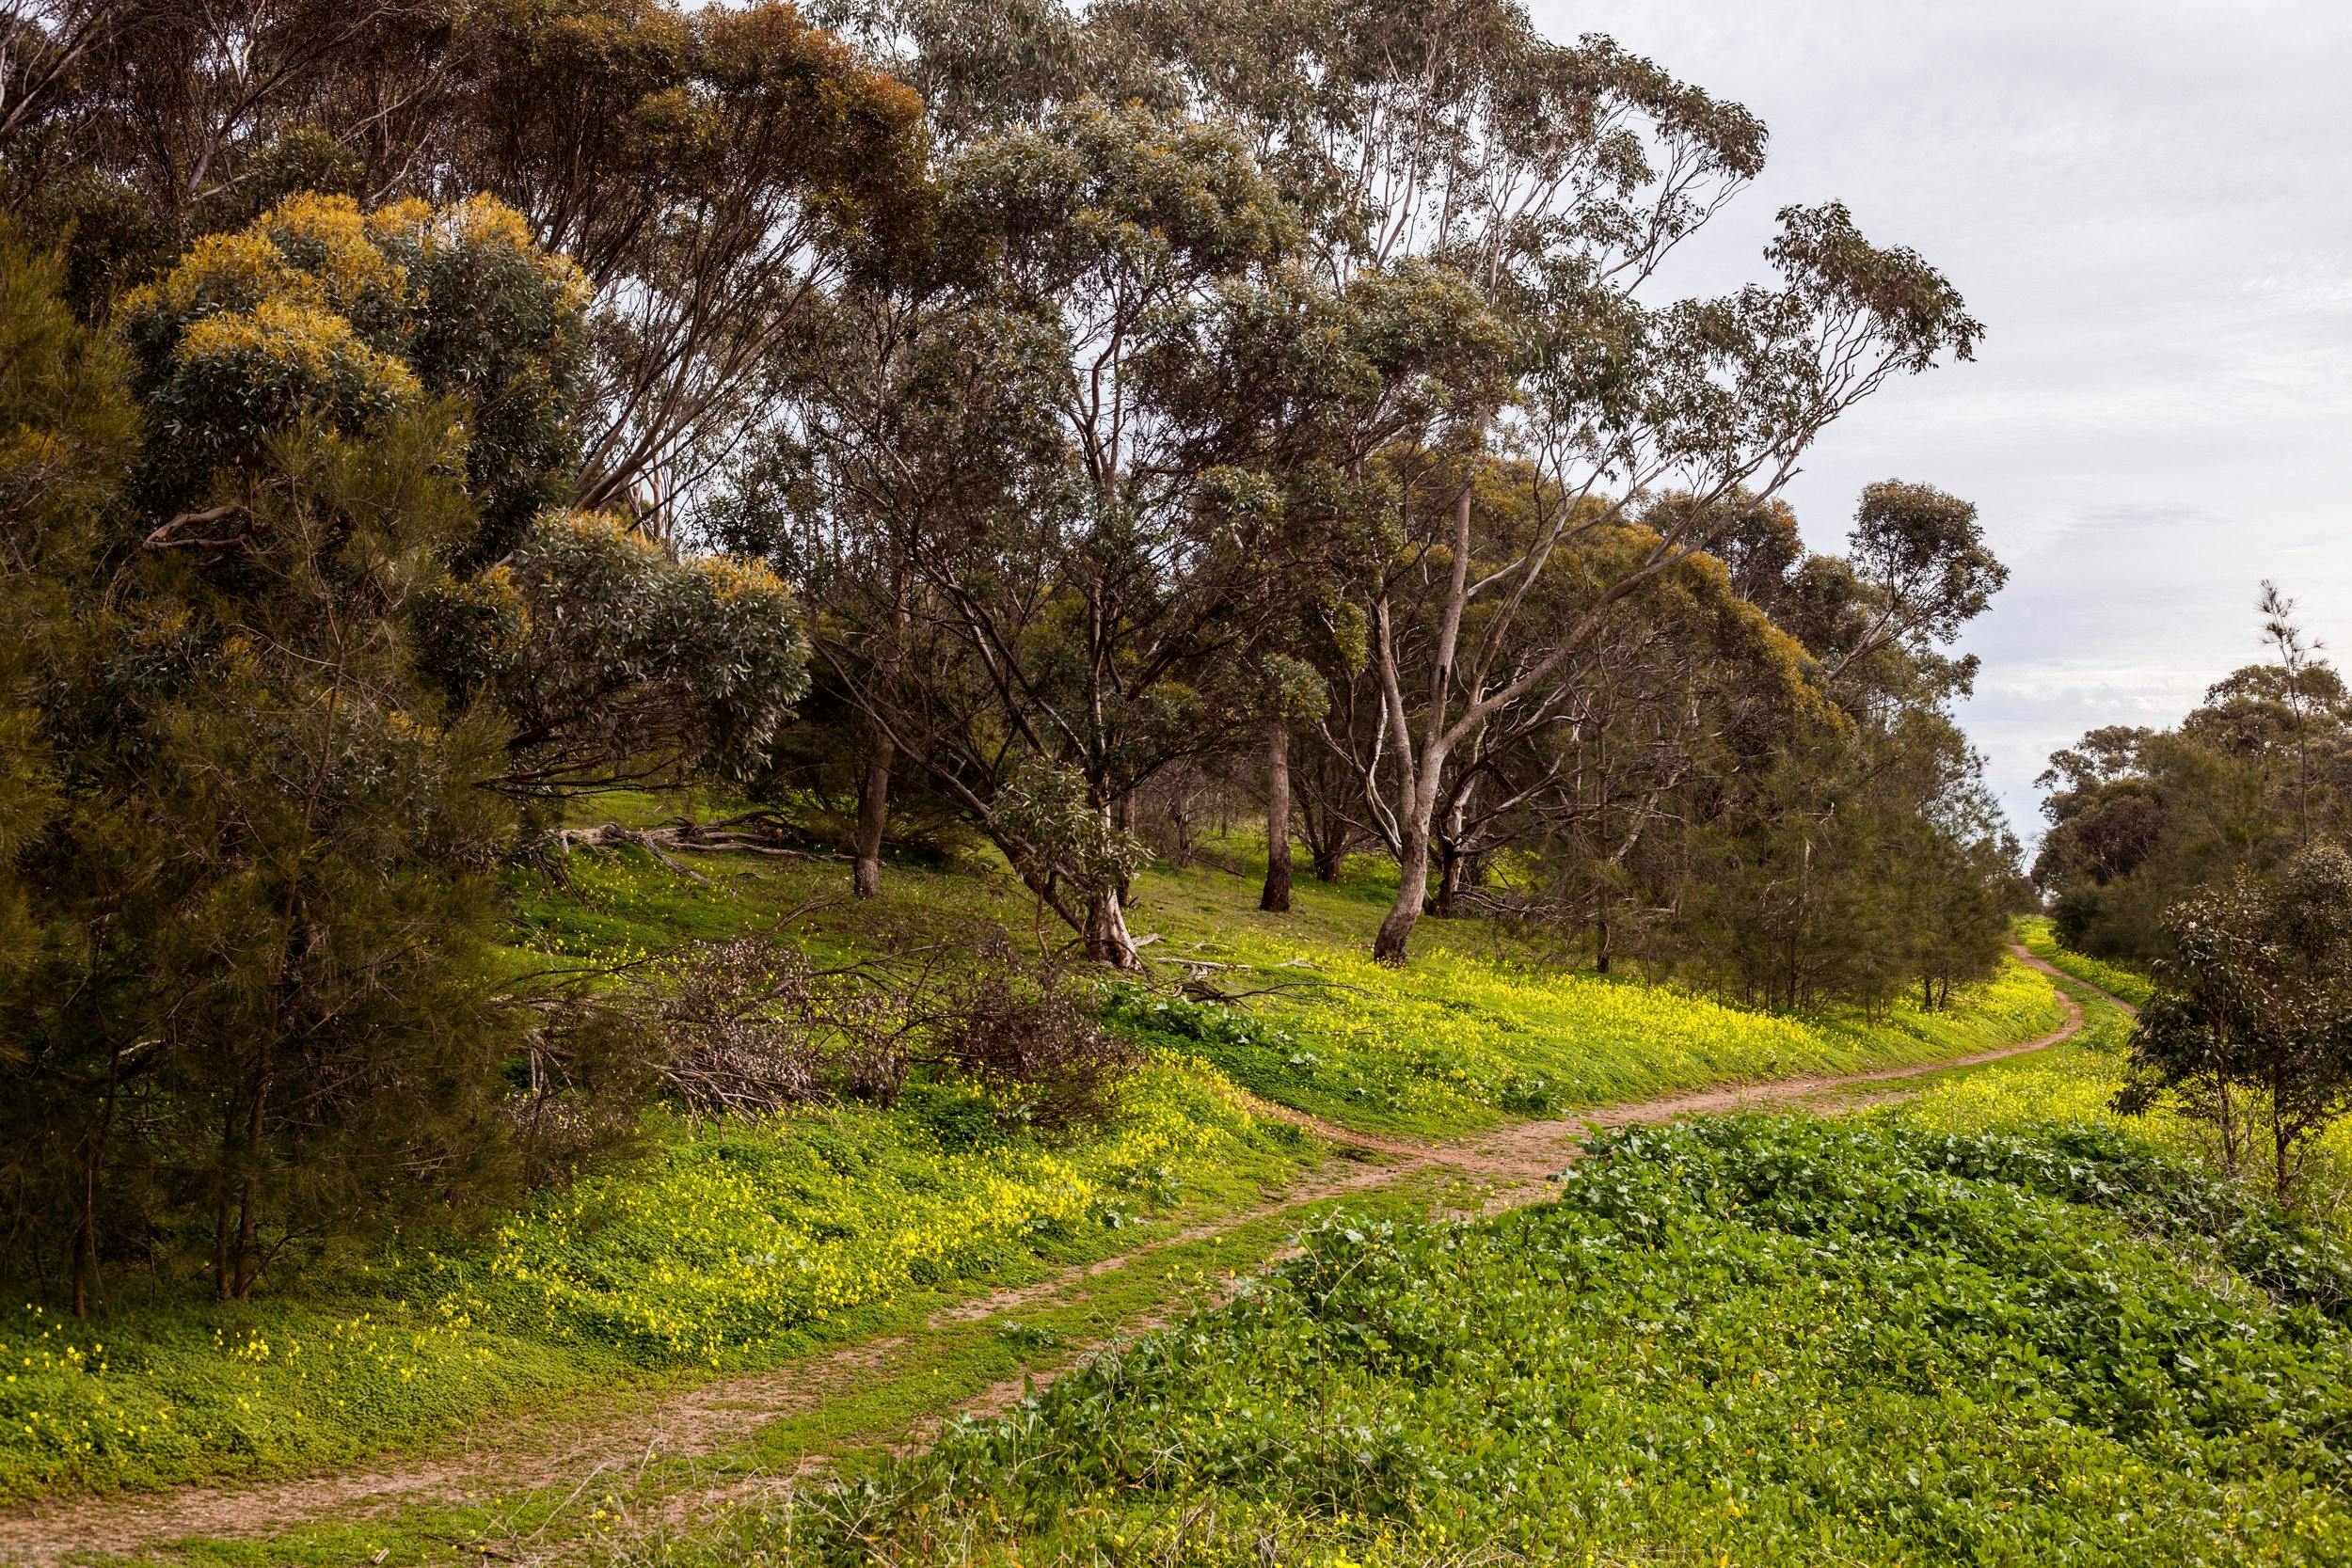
(697, 695)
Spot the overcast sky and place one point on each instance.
(2148, 204)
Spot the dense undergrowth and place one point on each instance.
(1742, 1340)
(2074, 1085)
(733, 1246)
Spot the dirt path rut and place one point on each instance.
(1513, 1165)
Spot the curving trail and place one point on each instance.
(1514, 1165)
(2057, 973)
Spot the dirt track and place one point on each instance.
(1514, 1164)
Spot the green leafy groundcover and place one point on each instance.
(1742, 1340)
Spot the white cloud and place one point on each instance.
(2148, 204)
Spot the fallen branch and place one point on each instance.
(167, 536)
(725, 837)
(563, 841)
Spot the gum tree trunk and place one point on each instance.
(873, 814)
(1276, 899)
(1106, 936)
(1396, 931)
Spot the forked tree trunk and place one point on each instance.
(1276, 899)
(1106, 936)
(1396, 932)
(1424, 762)
(873, 814)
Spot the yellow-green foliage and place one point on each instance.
(734, 1235)
(2043, 942)
(319, 312)
(1453, 1041)
(727, 1246)
(2076, 1082)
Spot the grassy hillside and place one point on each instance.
(1750, 1340)
(729, 1246)
(2043, 942)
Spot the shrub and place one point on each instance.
(1031, 1034)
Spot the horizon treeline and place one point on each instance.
(924, 425)
(2142, 819)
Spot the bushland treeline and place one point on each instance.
(924, 421)
(2214, 853)
(2142, 817)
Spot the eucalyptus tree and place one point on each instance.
(2250, 1028)
(916, 410)
(713, 173)
(2140, 816)
(1087, 637)
(1553, 179)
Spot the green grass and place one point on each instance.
(1455, 1042)
(1749, 1340)
(2043, 942)
(737, 1246)
(723, 1248)
(926, 1370)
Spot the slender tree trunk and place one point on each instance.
(85, 1236)
(1424, 763)
(1600, 946)
(249, 1205)
(85, 1263)
(1123, 810)
(873, 785)
(222, 1224)
(1276, 899)
(873, 814)
(1330, 859)
(1448, 869)
(2282, 1176)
